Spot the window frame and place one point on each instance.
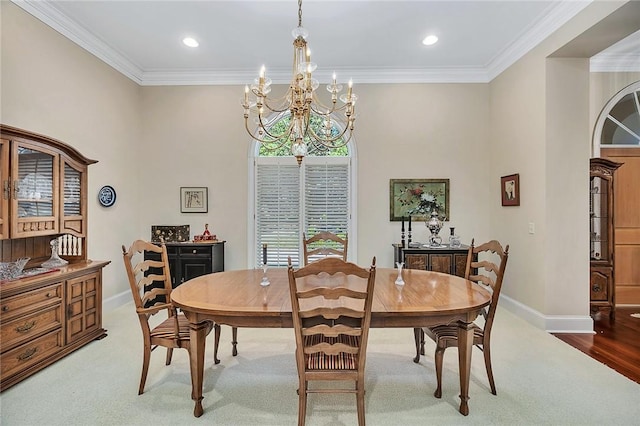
(254, 159)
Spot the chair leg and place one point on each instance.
(417, 335)
(487, 362)
(302, 402)
(145, 367)
(360, 403)
(234, 340)
(216, 343)
(169, 356)
(438, 357)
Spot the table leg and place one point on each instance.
(234, 340)
(198, 336)
(465, 345)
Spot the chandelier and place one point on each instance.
(332, 124)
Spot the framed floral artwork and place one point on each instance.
(510, 190)
(418, 198)
(194, 199)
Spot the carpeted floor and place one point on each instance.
(540, 381)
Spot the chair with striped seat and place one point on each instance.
(150, 283)
(331, 304)
(487, 271)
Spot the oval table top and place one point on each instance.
(238, 293)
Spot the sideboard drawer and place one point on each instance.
(31, 300)
(21, 329)
(195, 250)
(31, 353)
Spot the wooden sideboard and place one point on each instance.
(190, 260)
(439, 259)
(48, 316)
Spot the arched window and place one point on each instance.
(619, 122)
(289, 200)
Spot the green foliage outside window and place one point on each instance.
(314, 149)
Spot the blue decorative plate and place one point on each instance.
(107, 196)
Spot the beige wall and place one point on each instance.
(194, 136)
(51, 86)
(152, 140)
(540, 127)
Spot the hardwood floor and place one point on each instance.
(616, 343)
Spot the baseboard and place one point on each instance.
(116, 301)
(549, 323)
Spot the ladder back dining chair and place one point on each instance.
(150, 283)
(486, 264)
(331, 304)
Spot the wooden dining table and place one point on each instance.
(236, 298)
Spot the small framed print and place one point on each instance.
(194, 199)
(510, 190)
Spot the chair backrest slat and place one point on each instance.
(337, 298)
(150, 280)
(486, 271)
(324, 244)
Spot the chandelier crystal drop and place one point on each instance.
(300, 102)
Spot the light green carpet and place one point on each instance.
(540, 381)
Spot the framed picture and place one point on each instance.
(194, 199)
(510, 190)
(417, 198)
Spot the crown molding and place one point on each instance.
(615, 62)
(554, 17)
(51, 16)
(279, 76)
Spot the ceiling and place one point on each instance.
(369, 41)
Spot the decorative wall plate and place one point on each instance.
(107, 196)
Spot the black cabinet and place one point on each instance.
(440, 259)
(190, 260)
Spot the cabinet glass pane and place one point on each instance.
(598, 204)
(34, 184)
(71, 191)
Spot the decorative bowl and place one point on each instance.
(12, 270)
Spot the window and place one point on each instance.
(619, 121)
(290, 200)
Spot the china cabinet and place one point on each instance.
(45, 313)
(44, 186)
(601, 235)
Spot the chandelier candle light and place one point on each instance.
(301, 101)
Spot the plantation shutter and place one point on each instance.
(278, 212)
(326, 198)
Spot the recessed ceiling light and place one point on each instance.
(191, 42)
(429, 40)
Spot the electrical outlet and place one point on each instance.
(532, 228)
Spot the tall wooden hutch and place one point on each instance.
(45, 313)
(601, 235)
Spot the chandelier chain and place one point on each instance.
(299, 13)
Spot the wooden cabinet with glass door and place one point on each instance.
(50, 309)
(601, 235)
(44, 186)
